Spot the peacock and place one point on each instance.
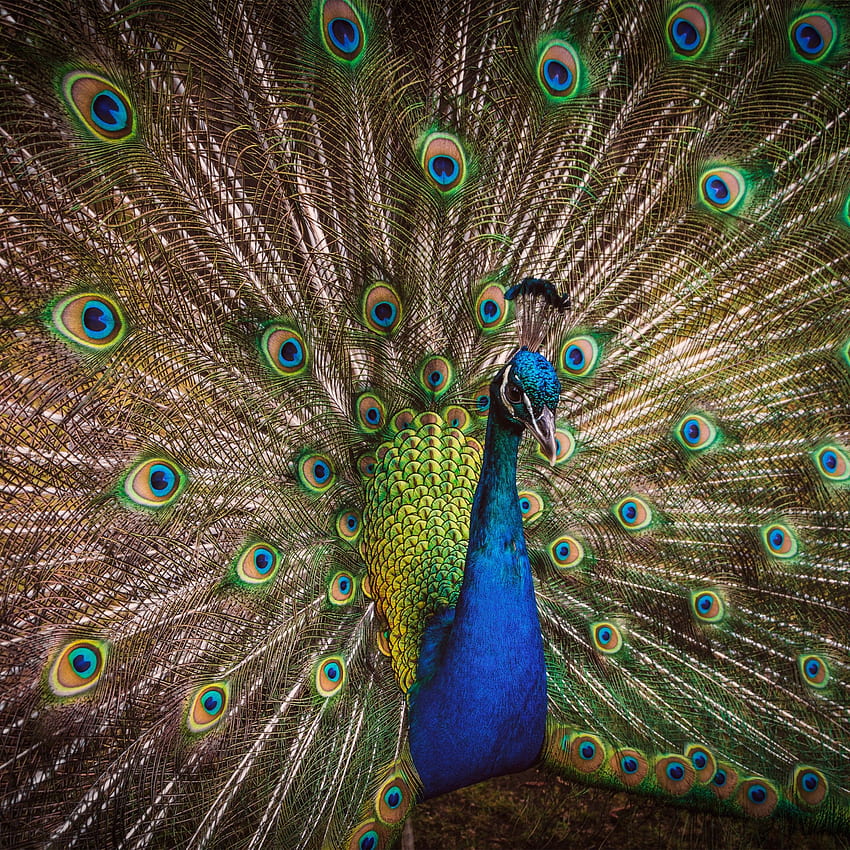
(398, 395)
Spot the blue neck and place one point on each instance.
(478, 708)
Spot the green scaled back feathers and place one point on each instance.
(253, 264)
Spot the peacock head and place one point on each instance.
(525, 394)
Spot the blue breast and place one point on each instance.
(478, 708)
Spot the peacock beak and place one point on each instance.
(543, 428)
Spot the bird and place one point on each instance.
(401, 395)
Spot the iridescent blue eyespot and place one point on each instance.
(369, 835)
(702, 762)
(812, 36)
(530, 505)
(808, 39)
(757, 793)
(99, 320)
(212, 702)
(370, 412)
(384, 313)
(457, 417)
(566, 552)
(674, 775)
(575, 357)
(685, 35)
(757, 797)
(579, 356)
(690, 431)
(84, 661)
(394, 799)
(443, 161)
(688, 30)
(316, 472)
(722, 189)
(257, 564)
(108, 112)
(153, 484)
(606, 637)
(557, 75)
(832, 463)
(558, 70)
(779, 541)
(437, 374)
(99, 106)
(291, 353)
(443, 169)
(162, 479)
(342, 30)
(330, 676)
(708, 606)
(717, 190)
(403, 420)
(263, 561)
(482, 403)
(369, 840)
(587, 750)
(341, 588)
(381, 308)
(207, 707)
(675, 771)
(92, 321)
(344, 35)
(814, 669)
(810, 785)
(633, 513)
(723, 782)
(491, 308)
(629, 766)
(694, 432)
(284, 350)
(348, 524)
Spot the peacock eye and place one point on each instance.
(513, 394)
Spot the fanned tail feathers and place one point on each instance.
(253, 255)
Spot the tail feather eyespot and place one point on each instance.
(77, 668)
(99, 106)
(207, 707)
(343, 33)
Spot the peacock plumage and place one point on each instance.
(283, 287)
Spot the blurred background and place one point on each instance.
(537, 811)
